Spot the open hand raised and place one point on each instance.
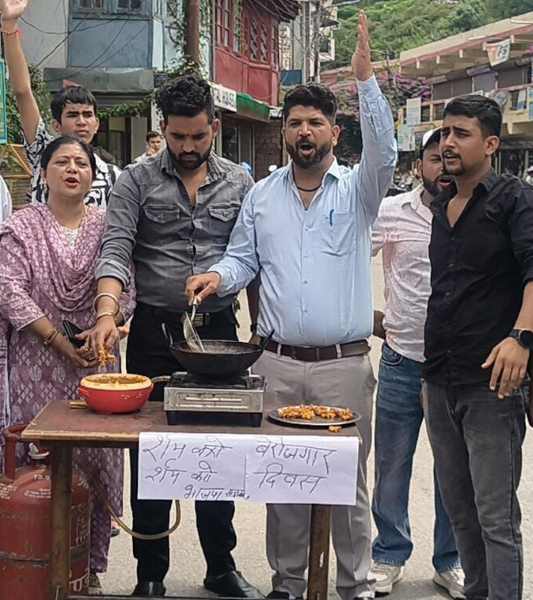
(361, 60)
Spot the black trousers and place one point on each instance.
(148, 354)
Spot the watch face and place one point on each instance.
(526, 338)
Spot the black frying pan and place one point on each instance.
(222, 359)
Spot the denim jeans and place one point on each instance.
(477, 443)
(399, 416)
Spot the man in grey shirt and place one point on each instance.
(172, 215)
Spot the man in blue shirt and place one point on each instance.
(306, 230)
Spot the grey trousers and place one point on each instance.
(346, 382)
(477, 445)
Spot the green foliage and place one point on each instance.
(398, 25)
(42, 96)
(502, 9)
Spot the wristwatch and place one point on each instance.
(524, 337)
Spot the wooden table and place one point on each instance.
(62, 428)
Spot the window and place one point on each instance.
(426, 113)
(224, 20)
(438, 111)
(513, 77)
(274, 44)
(129, 5)
(90, 4)
(254, 39)
(237, 26)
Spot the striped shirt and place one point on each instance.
(106, 174)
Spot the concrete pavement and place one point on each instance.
(187, 570)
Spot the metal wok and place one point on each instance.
(222, 359)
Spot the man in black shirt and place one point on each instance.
(477, 344)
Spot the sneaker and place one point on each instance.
(453, 581)
(95, 587)
(386, 577)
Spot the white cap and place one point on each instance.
(272, 168)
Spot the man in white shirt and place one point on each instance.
(402, 231)
(6, 205)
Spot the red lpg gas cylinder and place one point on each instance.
(25, 541)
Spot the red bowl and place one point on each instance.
(103, 395)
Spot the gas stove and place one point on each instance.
(240, 398)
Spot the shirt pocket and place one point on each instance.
(336, 233)
(221, 219)
(161, 213)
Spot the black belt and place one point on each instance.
(314, 354)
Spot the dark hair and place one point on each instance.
(313, 94)
(73, 94)
(152, 134)
(186, 96)
(65, 140)
(475, 106)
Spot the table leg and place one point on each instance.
(317, 585)
(61, 468)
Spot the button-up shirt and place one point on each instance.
(314, 263)
(479, 268)
(151, 220)
(106, 174)
(402, 232)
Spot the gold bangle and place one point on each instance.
(48, 340)
(106, 314)
(107, 295)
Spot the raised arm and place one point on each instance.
(19, 75)
(374, 173)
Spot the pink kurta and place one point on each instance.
(42, 275)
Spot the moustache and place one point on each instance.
(450, 155)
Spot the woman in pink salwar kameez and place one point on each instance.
(47, 256)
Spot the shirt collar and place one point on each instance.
(334, 170)
(486, 185)
(101, 164)
(414, 197)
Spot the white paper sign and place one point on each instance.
(413, 111)
(498, 52)
(281, 469)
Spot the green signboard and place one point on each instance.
(3, 107)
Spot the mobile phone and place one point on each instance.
(71, 331)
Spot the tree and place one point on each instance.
(398, 25)
(499, 9)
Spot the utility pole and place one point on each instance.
(307, 41)
(192, 31)
(317, 26)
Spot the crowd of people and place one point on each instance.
(97, 246)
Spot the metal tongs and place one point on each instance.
(189, 332)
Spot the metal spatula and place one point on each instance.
(189, 332)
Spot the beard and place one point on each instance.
(432, 187)
(315, 158)
(457, 169)
(190, 161)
